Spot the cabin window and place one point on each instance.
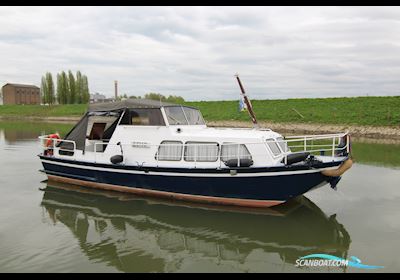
(170, 151)
(180, 115)
(283, 144)
(234, 151)
(201, 151)
(175, 115)
(193, 116)
(273, 146)
(147, 116)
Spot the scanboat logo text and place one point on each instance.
(329, 260)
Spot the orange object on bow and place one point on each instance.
(50, 137)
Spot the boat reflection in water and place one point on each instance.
(136, 234)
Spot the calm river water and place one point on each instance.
(47, 227)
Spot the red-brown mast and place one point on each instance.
(247, 101)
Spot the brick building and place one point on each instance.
(20, 94)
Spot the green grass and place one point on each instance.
(375, 111)
(22, 111)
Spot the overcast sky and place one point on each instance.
(279, 52)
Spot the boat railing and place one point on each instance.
(326, 144)
(55, 145)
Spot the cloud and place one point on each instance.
(280, 52)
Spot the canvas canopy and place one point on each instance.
(114, 109)
(129, 103)
(78, 132)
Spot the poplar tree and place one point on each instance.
(72, 87)
(65, 89)
(62, 88)
(85, 90)
(79, 87)
(70, 90)
(58, 91)
(50, 88)
(43, 90)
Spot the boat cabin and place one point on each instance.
(164, 134)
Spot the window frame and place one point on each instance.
(201, 142)
(165, 109)
(272, 140)
(230, 143)
(153, 125)
(282, 140)
(194, 109)
(157, 156)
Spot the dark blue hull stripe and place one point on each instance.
(72, 176)
(198, 170)
(272, 187)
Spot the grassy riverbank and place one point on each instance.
(371, 111)
(38, 111)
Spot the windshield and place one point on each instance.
(273, 146)
(179, 115)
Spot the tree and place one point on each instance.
(50, 88)
(72, 88)
(155, 96)
(43, 90)
(85, 90)
(66, 97)
(160, 97)
(79, 87)
(62, 88)
(65, 88)
(59, 90)
(175, 99)
(47, 89)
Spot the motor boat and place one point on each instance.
(154, 148)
